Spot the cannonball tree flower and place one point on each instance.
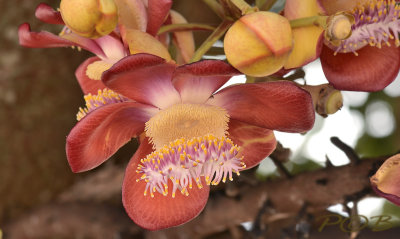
(369, 58)
(386, 180)
(191, 137)
(360, 50)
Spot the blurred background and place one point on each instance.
(39, 97)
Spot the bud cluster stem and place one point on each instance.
(209, 42)
(184, 27)
(244, 7)
(309, 21)
(216, 7)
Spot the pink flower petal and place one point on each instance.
(86, 43)
(161, 211)
(88, 85)
(196, 82)
(386, 181)
(274, 105)
(144, 78)
(112, 47)
(102, 132)
(372, 70)
(256, 142)
(47, 14)
(157, 12)
(43, 39)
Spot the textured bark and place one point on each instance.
(318, 189)
(286, 198)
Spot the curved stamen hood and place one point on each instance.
(374, 24)
(184, 161)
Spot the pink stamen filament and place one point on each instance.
(184, 162)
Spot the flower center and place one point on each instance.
(374, 24)
(185, 161)
(186, 121)
(103, 97)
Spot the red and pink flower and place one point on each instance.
(368, 59)
(190, 134)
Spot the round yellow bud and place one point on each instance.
(89, 18)
(258, 44)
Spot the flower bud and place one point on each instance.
(385, 182)
(327, 100)
(258, 44)
(89, 18)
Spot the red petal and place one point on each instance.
(372, 70)
(256, 142)
(47, 14)
(196, 82)
(44, 39)
(102, 132)
(274, 105)
(157, 13)
(88, 85)
(144, 78)
(386, 181)
(161, 211)
(40, 39)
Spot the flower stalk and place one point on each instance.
(184, 27)
(209, 42)
(244, 7)
(326, 99)
(216, 7)
(309, 21)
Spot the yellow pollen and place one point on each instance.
(94, 101)
(95, 69)
(186, 121)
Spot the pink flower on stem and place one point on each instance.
(191, 136)
(369, 59)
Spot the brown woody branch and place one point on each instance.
(286, 197)
(319, 189)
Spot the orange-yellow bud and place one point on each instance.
(89, 18)
(258, 44)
